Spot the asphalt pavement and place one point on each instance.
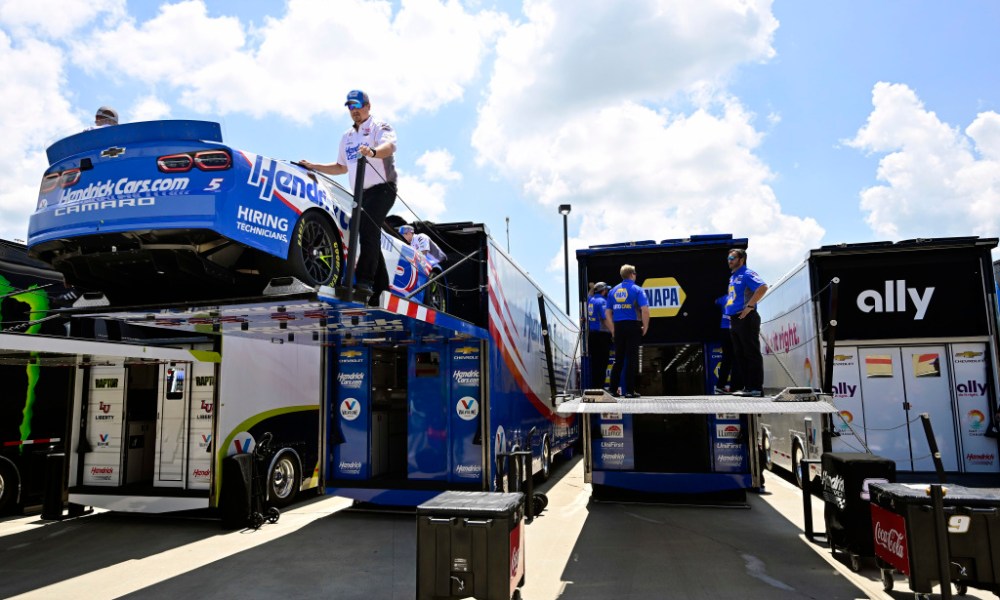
(576, 550)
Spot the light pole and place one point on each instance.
(564, 211)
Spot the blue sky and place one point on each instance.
(795, 124)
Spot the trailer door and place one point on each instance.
(885, 415)
(171, 425)
(928, 390)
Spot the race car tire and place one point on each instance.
(8, 486)
(314, 255)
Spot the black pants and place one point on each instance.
(599, 347)
(628, 336)
(375, 203)
(729, 373)
(746, 349)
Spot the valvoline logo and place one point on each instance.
(467, 408)
(242, 444)
(103, 440)
(350, 409)
(665, 295)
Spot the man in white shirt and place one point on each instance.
(376, 141)
(105, 116)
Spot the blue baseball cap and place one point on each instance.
(356, 99)
(404, 229)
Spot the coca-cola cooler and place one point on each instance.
(903, 532)
(846, 477)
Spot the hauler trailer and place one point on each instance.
(891, 330)
(414, 401)
(684, 441)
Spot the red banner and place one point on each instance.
(890, 538)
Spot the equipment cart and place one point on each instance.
(846, 479)
(259, 511)
(903, 523)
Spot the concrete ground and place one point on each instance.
(576, 550)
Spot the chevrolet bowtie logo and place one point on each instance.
(350, 353)
(466, 349)
(113, 152)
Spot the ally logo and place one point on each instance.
(243, 443)
(350, 409)
(467, 408)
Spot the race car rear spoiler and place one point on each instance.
(122, 135)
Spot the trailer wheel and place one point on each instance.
(283, 481)
(961, 589)
(765, 451)
(314, 254)
(8, 486)
(887, 580)
(513, 483)
(797, 454)
(546, 459)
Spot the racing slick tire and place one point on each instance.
(314, 255)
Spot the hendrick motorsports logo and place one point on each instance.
(351, 381)
(101, 473)
(349, 467)
(468, 470)
(467, 377)
(350, 409)
(665, 296)
(467, 408)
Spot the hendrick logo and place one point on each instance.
(351, 380)
(894, 299)
(466, 376)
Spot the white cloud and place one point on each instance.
(33, 113)
(936, 181)
(148, 108)
(302, 64)
(425, 193)
(577, 115)
(55, 18)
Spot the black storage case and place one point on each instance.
(846, 511)
(470, 544)
(974, 554)
(234, 503)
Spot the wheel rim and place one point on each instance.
(317, 251)
(546, 459)
(283, 478)
(767, 451)
(797, 465)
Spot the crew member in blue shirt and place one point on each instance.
(628, 311)
(746, 288)
(729, 378)
(598, 335)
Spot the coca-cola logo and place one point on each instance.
(892, 540)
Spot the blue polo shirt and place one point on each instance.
(625, 300)
(721, 301)
(595, 313)
(742, 284)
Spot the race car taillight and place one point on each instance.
(62, 179)
(213, 160)
(175, 163)
(205, 160)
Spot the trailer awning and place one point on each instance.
(788, 401)
(47, 351)
(311, 318)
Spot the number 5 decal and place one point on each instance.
(214, 185)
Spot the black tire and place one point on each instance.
(797, 456)
(887, 580)
(283, 480)
(8, 487)
(314, 255)
(961, 589)
(546, 459)
(273, 514)
(765, 451)
(513, 483)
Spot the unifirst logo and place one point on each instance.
(665, 295)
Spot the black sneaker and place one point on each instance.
(633, 395)
(753, 393)
(362, 292)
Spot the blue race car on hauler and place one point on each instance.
(165, 203)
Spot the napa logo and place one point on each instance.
(665, 296)
(350, 409)
(467, 408)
